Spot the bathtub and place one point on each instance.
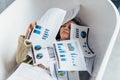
(101, 15)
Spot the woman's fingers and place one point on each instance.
(31, 26)
(43, 67)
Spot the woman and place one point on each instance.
(24, 46)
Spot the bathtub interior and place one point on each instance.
(99, 15)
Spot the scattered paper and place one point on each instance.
(29, 72)
(70, 56)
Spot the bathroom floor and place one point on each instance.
(4, 4)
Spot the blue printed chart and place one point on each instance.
(44, 33)
(70, 56)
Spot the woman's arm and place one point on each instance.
(22, 49)
(23, 45)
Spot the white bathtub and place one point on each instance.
(101, 15)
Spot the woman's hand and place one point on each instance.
(43, 67)
(31, 26)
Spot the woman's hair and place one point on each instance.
(76, 20)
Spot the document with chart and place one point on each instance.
(70, 56)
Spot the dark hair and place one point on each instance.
(76, 20)
(58, 36)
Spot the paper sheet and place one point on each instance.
(29, 72)
(82, 33)
(70, 56)
(45, 32)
